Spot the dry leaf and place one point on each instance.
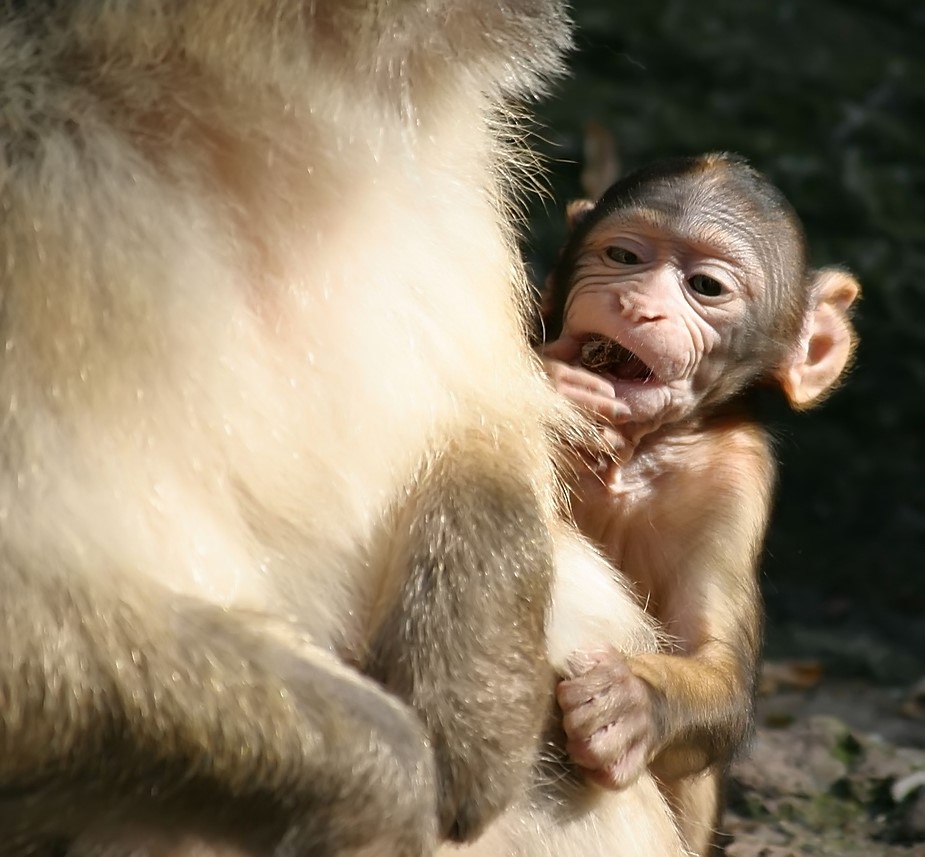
(788, 675)
(602, 164)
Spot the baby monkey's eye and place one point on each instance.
(623, 256)
(706, 286)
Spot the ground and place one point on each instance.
(836, 769)
(828, 98)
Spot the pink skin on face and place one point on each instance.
(677, 304)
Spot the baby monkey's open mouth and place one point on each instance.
(606, 357)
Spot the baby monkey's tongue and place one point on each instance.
(606, 357)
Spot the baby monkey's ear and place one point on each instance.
(827, 342)
(576, 211)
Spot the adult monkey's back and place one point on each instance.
(262, 414)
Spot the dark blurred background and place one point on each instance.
(828, 98)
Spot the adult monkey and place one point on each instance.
(251, 431)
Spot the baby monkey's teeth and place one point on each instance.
(598, 353)
(605, 356)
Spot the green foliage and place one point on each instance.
(848, 749)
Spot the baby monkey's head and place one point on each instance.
(688, 282)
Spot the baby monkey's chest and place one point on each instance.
(625, 517)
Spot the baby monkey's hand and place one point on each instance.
(608, 718)
(590, 392)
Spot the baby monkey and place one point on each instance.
(684, 288)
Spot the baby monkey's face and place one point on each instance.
(663, 308)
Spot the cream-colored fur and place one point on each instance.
(177, 351)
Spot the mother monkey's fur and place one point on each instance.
(267, 410)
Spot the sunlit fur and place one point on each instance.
(177, 319)
(258, 279)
